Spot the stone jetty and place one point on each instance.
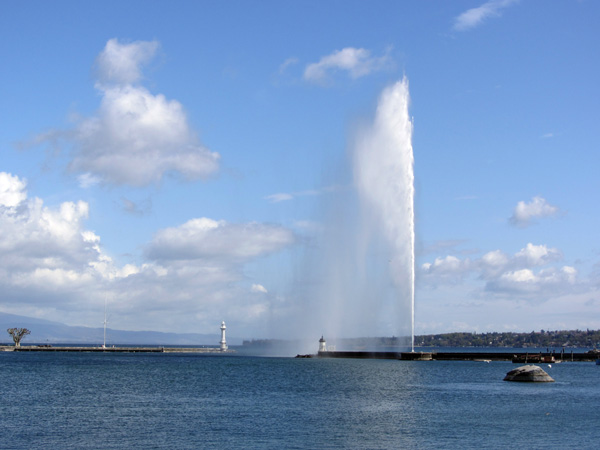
(462, 356)
(48, 348)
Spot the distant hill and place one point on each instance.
(543, 338)
(49, 332)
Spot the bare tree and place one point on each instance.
(18, 334)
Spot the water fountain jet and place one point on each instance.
(359, 271)
(384, 178)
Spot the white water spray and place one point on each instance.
(384, 178)
(358, 273)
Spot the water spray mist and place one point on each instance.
(384, 178)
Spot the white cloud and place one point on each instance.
(493, 263)
(121, 63)
(525, 213)
(448, 264)
(209, 239)
(135, 137)
(358, 62)
(197, 273)
(475, 16)
(43, 247)
(258, 288)
(12, 190)
(551, 281)
(495, 258)
(280, 197)
(527, 272)
(446, 270)
(51, 264)
(87, 180)
(537, 255)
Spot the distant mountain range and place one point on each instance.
(49, 332)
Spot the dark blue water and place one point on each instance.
(170, 401)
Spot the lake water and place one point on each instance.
(175, 401)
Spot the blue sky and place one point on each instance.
(189, 163)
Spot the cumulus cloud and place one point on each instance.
(51, 265)
(135, 137)
(42, 246)
(525, 213)
(210, 239)
(526, 281)
(536, 255)
(357, 62)
(495, 260)
(446, 270)
(528, 271)
(12, 190)
(121, 62)
(447, 265)
(198, 266)
(474, 17)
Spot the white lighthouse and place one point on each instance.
(322, 345)
(223, 341)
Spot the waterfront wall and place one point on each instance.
(460, 356)
(35, 348)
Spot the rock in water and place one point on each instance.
(528, 373)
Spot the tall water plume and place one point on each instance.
(356, 277)
(384, 179)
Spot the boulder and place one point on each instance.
(528, 373)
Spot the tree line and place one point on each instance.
(543, 338)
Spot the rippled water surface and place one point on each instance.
(168, 401)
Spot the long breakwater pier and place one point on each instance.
(131, 349)
(521, 357)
